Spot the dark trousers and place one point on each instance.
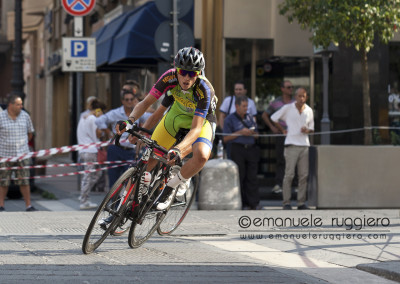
(115, 153)
(280, 159)
(247, 160)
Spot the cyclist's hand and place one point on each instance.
(173, 156)
(122, 126)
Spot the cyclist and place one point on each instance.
(193, 103)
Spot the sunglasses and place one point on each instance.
(191, 74)
(129, 100)
(289, 87)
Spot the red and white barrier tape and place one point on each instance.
(66, 149)
(71, 174)
(66, 165)
(53, 151)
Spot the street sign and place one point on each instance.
(79, 54)
(78, 7)
(165, 7)
(163, 39)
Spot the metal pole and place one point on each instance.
(325, 122)
(17, 81)
(175, 26)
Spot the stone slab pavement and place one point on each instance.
(217, 246)
(263, 246)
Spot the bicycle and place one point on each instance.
(125, 202)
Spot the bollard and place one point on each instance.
(219, 186)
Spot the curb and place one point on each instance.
(386, 269)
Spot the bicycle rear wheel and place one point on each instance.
(179, 209)
(145, 225)
(111, 215)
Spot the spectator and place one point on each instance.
(285, 98)
(135, 86)
(299, 118)
(244, 152)
(110, 119)
(228, 106)
(88, 132)
(89, 101)
(101, 182)
(16, 129)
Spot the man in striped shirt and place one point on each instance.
(16, 129)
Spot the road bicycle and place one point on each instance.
(128, 207)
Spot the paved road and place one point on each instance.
(266, 246)
(45, 247)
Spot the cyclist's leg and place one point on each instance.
(201, 149)
(163, 138)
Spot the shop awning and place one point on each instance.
(104, 40)
(128, 41)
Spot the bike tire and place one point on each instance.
(179, 209)
(147, 223)
(95, 235)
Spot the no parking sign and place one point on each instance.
(78, 7)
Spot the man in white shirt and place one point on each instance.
(299, 118)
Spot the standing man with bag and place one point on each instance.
(242, 130)
(129, 100)
(228, 107)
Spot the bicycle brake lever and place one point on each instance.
(116, 139)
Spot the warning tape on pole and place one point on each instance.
(70, 174)
(65, 165)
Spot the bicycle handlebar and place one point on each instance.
(135, 132)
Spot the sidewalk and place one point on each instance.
(68, 187)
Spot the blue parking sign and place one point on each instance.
(79, 48)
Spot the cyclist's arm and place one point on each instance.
(138, 111)
(185, 147)
(155, 118)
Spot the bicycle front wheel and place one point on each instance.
(179, 209)
(110, 216)
(145, 225)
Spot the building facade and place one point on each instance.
(252, 43)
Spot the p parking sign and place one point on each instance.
(79, 54)
(79, 48)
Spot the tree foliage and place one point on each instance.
(351, 22)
